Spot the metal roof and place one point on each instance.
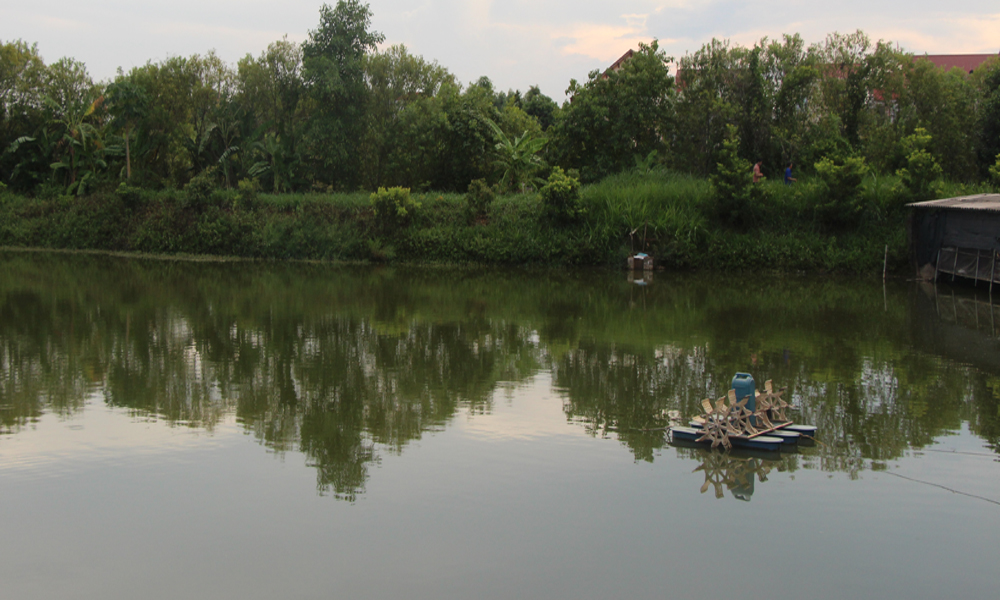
(990, 202)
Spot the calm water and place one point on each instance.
(197, 430)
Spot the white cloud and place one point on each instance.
(601, 42)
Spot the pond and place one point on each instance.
(174, 429)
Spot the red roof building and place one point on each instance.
(966, 62)
(621, 61)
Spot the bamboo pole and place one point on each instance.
(766, 431)
(978, 252)
(993, 272)
(885, 262)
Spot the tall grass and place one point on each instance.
(665, 214)
(655, 211)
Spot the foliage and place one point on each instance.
(920, 180)
(656, 211)
(198, 191)
(517, 157)
(394, 208)
(664, 213)
(129, 195)
(736, 196)
(988, 118)
(995, 172)
(616, 115)
(840, 201)
(395, 80)
(248, 193)
(333, 65)
(128, 104)
(943, 105)
(561, 197)
(539, 106)
(479, 199)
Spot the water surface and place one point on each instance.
(245, 430)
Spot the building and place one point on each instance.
(957, 237)
(618, 63)
(966, 62)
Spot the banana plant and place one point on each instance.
(517, 157)
(79, 142)
(276, 161)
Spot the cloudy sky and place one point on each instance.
(517, 43)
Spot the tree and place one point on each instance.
(271, 99)
(540, 106)
(735, 194)
(467, 139)
(128, 104)
(791, 71)
(333, 63)
(74, 104)
(943, 103)
(22, 79)
(395, 79)
(705, 106)
(920, 179)
(988, 126)
(616, 115)
(842, 177)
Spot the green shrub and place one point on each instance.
(247, 193)
(735, 195)
(478, 199)
(840, 195)
(921, 179)
(198, 192)
(394, 209)
(561, 197)
(995, 173)
(130, 196)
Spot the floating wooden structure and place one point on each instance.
(957, 238)
(745, 418)
(640, 262)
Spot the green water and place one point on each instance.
(243, 430)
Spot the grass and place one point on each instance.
(666, 214)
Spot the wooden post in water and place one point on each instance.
(978, 252)
(885, 262)
(993, 271)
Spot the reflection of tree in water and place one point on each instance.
(35, 376)
(848, 361)
(612, 390)
(347, 364)
(300, 375)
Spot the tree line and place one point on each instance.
(341, 112)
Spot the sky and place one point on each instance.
(516, 43)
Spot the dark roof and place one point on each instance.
(990, 202)
(966, 62)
